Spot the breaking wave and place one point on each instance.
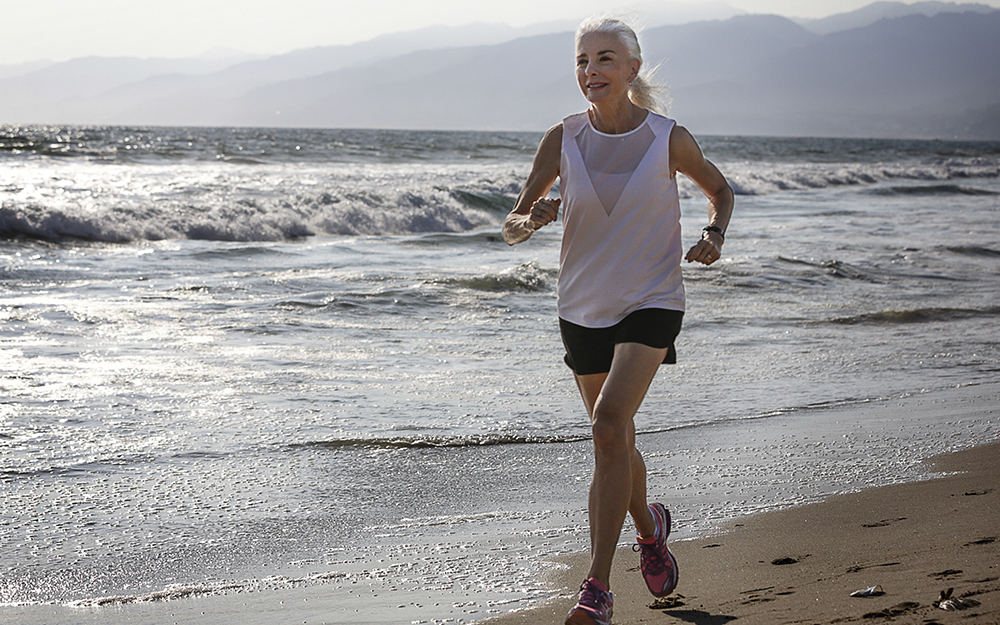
(118, 185)
(933, 190)
(260, 219)
(758, 179)
(917, 315)
(525, 277)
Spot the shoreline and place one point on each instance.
(914, 540)
(725, 558)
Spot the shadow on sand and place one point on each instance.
(699, 617)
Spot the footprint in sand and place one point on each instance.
(896, 610)
(883, 522)
(989, 540)
(946, 574)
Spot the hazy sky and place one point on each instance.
(63, 29)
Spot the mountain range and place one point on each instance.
(927, 70)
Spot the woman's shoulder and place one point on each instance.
(553, 136)
(575, 123)
(550, 146)
(658, 121)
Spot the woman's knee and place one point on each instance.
(612, 431)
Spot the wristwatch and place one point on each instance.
(715, 229)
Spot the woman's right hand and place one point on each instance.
(543, 212)
(525, 219)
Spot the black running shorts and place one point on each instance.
(590, 350)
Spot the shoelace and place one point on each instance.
(650, 558)
(590, 596)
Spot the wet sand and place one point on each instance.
(801, 565)
(797, 565)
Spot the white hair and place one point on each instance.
(643, 91)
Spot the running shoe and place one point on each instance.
(659, 568)
(594, 606)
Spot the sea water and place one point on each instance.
(235, 360)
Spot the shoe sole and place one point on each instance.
(673, 585)
(580, 617)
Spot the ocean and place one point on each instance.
(248, 360)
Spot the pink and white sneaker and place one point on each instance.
(659, 568)
(594, 606)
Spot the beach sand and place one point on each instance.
(800, 565)
(914, 540)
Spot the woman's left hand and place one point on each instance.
(686, 157)
(707, 250)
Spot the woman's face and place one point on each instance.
(603, 67)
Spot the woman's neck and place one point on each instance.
(618, 119)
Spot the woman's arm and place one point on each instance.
(686, 157)
(532, 210)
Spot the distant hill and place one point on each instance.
(12, 71)
(912, 76)
(872, 13)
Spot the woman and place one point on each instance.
(620, 295)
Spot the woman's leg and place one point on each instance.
(619, 482)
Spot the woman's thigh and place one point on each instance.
(618, 394)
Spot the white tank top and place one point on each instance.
(621, 246)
